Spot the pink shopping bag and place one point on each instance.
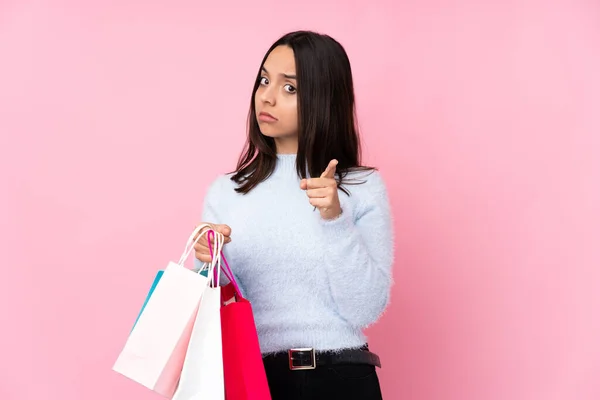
(244, 371)
(155, 350)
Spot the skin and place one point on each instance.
(277, 96)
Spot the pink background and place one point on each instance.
(484, 120)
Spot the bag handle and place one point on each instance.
(191, 242)
(214, 268)
(227, 269)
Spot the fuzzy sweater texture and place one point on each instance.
(312, 282)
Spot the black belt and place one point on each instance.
(308, 358)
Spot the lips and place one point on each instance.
(266, 117)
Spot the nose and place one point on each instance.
(268, 95)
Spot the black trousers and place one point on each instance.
(327, 382)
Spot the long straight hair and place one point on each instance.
(326, 115)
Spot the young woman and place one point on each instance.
(308, 228)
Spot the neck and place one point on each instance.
(287, 145)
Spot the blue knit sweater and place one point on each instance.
(312, 282)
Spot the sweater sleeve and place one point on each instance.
(360, 252)
(210, 214)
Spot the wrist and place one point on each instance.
(331, 214)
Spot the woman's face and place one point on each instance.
(275, 100)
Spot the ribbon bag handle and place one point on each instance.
(221, 257)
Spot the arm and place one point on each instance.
(360, 256)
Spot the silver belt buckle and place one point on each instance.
(313, 364)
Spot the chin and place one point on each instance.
(270, 132)
(272, 135)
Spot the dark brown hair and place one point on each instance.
(326, 115)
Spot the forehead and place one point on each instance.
(281, 61)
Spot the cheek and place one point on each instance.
(292, 119)
(292, 111)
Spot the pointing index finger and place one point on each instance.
(330, 170)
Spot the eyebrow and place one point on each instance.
(284, 75)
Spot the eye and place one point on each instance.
(289, 88)
(264, 80)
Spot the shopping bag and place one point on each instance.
(159, 275)
(202, 373)
(154, 352)
(244, 371)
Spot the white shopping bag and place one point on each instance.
(155, 350)
(202, 375)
